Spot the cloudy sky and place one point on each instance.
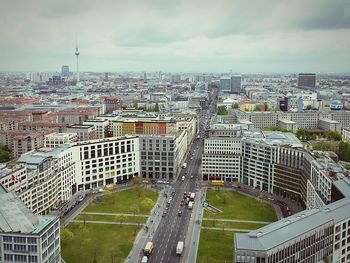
(181, 35)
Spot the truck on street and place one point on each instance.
(147, 251)
(179, 248)
(192, 196)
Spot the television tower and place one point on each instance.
(77, 55)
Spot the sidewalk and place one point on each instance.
(236, 220)
(194, 230)
(227, 229)
(146, 235)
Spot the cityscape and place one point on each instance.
(187, 132)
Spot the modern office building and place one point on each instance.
(42, 179)
(314, 235)
(236, 84)
(162, 155)
(106, 161)
(25, 237)
(277, 163)
(225, 84)
(65, 71)
(307, 80)
(305, 120)
(231, 84)
(222, 159)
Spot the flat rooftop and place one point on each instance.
(273, 137)
(16, 217)
(61, 134)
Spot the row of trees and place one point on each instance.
(149, 109)
(304, 135)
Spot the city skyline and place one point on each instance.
(274, 36)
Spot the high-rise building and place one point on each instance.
(65, 71)
(307, 80)
(225, 84)
(236, 84)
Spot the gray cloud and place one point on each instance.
(327, 15)
(176, 35)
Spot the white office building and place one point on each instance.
(42, 179)
(25, 237)
(107, 161)
(222, 159)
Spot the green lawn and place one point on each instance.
(98, 243)
(109, 218)
(215, 246)
(237, 206)
(125, 202)
(213, 223)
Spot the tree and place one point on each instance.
(156, 107)
(135, 106)
(235, 106)
(5, 155)
(308, 107)
(122, 219)
(135, 209)
(222, 110)
(325, 146)
(266, 106)
(147, 204)
(193, 87)
(344, 151)
(223, 196)
(333, 135)
(137, 182)
(66, 235)
(301, 134)
(257, 108)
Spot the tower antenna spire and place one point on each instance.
(77, 56)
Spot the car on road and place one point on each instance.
(179, 213)
(191, 176)
(182, 203)
(164, 213)
(81, 198)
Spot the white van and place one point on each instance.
(144, 259)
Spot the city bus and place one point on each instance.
(217, 183)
